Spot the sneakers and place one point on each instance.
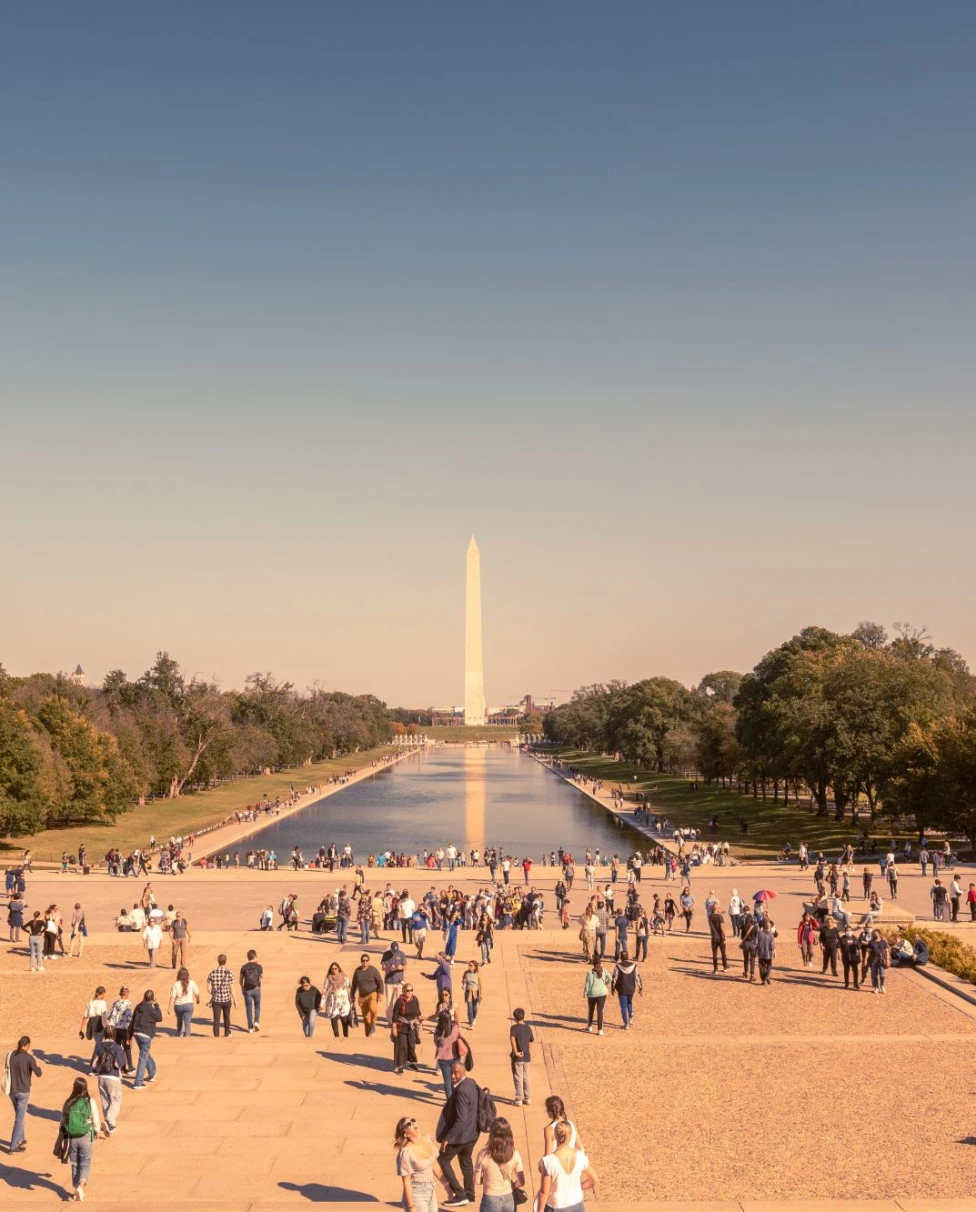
(590, 1028)
(460, 1202)
(250, 1030)
(257, 1026)
(600, 1032)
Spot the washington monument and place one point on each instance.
(474, 661)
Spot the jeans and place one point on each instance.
(18, 1135)
(520, 1077)
(640, 951)
(35, 942)
(80, 1153)
(364, 932)
(626, 1008)
(474, 1005)
(308, 1024)
(184, 1015)
(146, 1066)
(877, 974)
(595, 1006)
(110, 1092)
(497, 1203)
(445, 1067)
(463, 1155)
(600, 949)
(342, 929)
(486, 948)
(252, 1004)
(423, 1198)
(221, 1010)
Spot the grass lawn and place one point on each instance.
(770, 825)
(180, 816)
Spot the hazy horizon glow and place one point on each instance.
(673, 309)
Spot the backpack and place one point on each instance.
(487, 1113)
(79, 1120)
(105, 1064)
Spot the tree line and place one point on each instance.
(71, 755)
(864, 723)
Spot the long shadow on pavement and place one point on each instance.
(319, 1193)
(21, 1180)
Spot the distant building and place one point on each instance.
(78, 677)
(449, 717)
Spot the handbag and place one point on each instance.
(520, 1196)
(7, 1081)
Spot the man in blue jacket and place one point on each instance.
(457, 1134)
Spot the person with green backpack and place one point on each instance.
(80, 1123)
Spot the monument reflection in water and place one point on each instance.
(472, 796)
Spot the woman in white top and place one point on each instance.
(565, 1174)
(337, 1000)
(498, 1169)
(94, 1014)
(556, 1110)
(182, 997)
(417, 1166)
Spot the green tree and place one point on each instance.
(23, 800)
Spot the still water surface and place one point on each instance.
(472, 796)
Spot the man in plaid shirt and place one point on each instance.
(220, 982)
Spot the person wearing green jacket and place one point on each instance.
(595, 991)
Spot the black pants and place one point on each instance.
(595, 1006)
(954, 901)
(463, 1154)
(830, 957)
(221, 1009)
(851, 968)
(719, 948)
(406, 931)
(404, 1050)
(765, 967)
(600, 948)
(748, 963)
(336, 1020)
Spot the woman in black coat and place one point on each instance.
(405, 1029)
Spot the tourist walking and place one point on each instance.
(145, 1018)
(457, 1134)
(20, 1068)
(498, 1169)
(940, 900)
(182, 998)
(807, 934)
(716, 930)
(447, 1033)
(367, 985)
(521, 1039)
(307, 999)
(93, 1018)
(626, 983)
(830, 946)
(556, 1110)
(642, 931)
(107, 1066)
(405, 1029)
(766, 949)
(596, 989)
(80, 1122)
(79, 931)
(687, 903)
(152, 938)
(418, 1166)
(485, 938)
(393, 963)
(337, 998)
(220, 985)
(179, 933)
(250, 979)
(564, 1174)
(473, 992)
(850, 955)
(880, 961)
(588, 929)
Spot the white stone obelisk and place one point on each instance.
(474, 661)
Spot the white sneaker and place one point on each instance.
(600, 1032)
(590, 1028)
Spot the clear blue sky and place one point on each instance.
(671, 305)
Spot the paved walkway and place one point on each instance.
(262, 1121)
